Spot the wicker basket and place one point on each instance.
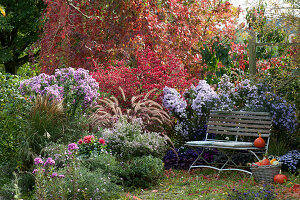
(265, 173)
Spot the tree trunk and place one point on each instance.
(11, 67)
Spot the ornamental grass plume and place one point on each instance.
(45, 123)
(45, 116)
(152, 114)
(51, 107)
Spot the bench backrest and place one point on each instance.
(240, 123)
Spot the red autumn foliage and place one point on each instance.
(239, 54)
(109, 30)
(150, 72)
(276, 62)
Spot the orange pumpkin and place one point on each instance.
(280, 178)
(265, 161)
(259, 142)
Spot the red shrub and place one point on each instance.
(150, 72)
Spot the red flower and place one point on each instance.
(101, 141)
(88, 139)
(80, 141)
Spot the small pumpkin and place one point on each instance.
(271, 161)
(265, 161)
(280, 178)
(259, 142)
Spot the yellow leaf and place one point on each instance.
(2, 11)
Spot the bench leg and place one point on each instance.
(229, 159)
(198, 158)
(254, 154)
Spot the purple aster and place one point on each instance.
(61, 176)
(54, 174)
(205, 98)
(72, 146)
(38, 161)
(173, 101)
(50, 161)
(66, 84)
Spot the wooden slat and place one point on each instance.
(242, 121)
(238, 129)
(245, 125)
(239, 123)
(237, 133)
(240, 112)
(241, 117)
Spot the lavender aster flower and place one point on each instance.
(173, 101)
(205, 97)
(38, 161)
(61, 176)
(49, 161)
(54, 174)
(72, 147)
(74, 87)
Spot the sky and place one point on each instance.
(270, 4)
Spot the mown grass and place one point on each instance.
(206, 184)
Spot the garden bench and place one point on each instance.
(241, 127)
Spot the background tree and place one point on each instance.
(19, 30)
(114, 30)
(267, 30)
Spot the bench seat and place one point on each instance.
(242, 126)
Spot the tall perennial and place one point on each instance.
(74, 87)
(191, 110)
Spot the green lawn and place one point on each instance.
(206, 184)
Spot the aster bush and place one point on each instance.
(247, 95)
(76, 88)
(64, 176)
(53, 175)
(48, 184)
(291, 161)
(191, 110)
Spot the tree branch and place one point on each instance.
(76, 8)
(22, 61)
(25, 59)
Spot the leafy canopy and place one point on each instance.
(19, 30)
(115, 30)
